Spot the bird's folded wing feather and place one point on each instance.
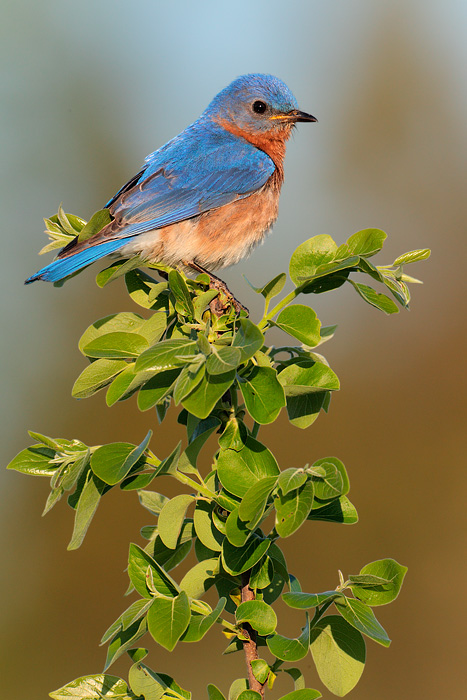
(193, 173)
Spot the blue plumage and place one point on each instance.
(185, 207)
(61, 268)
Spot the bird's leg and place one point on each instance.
(216, 306)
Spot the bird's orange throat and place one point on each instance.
(272, 142)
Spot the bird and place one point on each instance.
(207, 197)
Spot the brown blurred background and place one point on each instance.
(89, 89)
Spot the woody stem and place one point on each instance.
(249, 644)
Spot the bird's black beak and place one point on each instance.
(299, 116)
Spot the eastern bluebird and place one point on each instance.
(207, 197)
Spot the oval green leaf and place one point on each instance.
(238, 470)
(381, 594)
(263, 394)
(362, 617)
(168, 618)
(258, 614)
(339, 653)
(171, 519)
(300, 322)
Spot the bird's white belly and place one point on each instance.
(216, 239)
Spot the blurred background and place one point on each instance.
(89, 89)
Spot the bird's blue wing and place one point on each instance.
(203, 168)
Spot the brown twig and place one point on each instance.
(249, 644)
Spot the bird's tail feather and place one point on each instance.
(62, 267)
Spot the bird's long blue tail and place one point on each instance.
(62, 267)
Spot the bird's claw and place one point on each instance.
(217, 306)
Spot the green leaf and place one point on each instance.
(236, 531)
(214, 693)
(248, 339)
(236, 560)
(139, 562)
(412, 256)
(183, 303)
(94, 688)
(379, 301)
(112, 462)
(116, 270)
(263, 394)
(200, 577)
(302, 693)
(201, 624)
(304, 409)
(303, 601)
(126, 321)
(188, 379)
(124, 640)
(309, 256)
(290, 649)
(291, 479)
(339, 653)
(305, 378)
(238, 686)
(95, 224)
(280, 564)
(168, 618)
(170, 558)
(293, 508)
(35, 461)
(202, 301)
(223, 359)
(253, 503)
(171, 519)
(339, 510)
(168, 354)
(382, 594)
(238, 470)
(249, 695)
(169, 464)
(153, 501)
(300, 322)
(140, 285)
(201, 401)
(154, 391)
(329, 483)
(175, 689)
(367, 242)
(133, 613)
(258, 614)
(96, 376)
(362, 617)
(272, 288)
(153, 328)
(189, 457)
(64, 221)
(124, 385)
(260, 669)
(205, 529)
(262, 574)
(118, 345)
(87, 506)
(369, 581)
(145, 682)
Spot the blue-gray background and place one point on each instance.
(88, 89)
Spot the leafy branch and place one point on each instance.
(227, 382)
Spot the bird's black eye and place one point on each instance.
(259, 107)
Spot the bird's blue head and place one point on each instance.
(255, 104)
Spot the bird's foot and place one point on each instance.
(217, 305)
